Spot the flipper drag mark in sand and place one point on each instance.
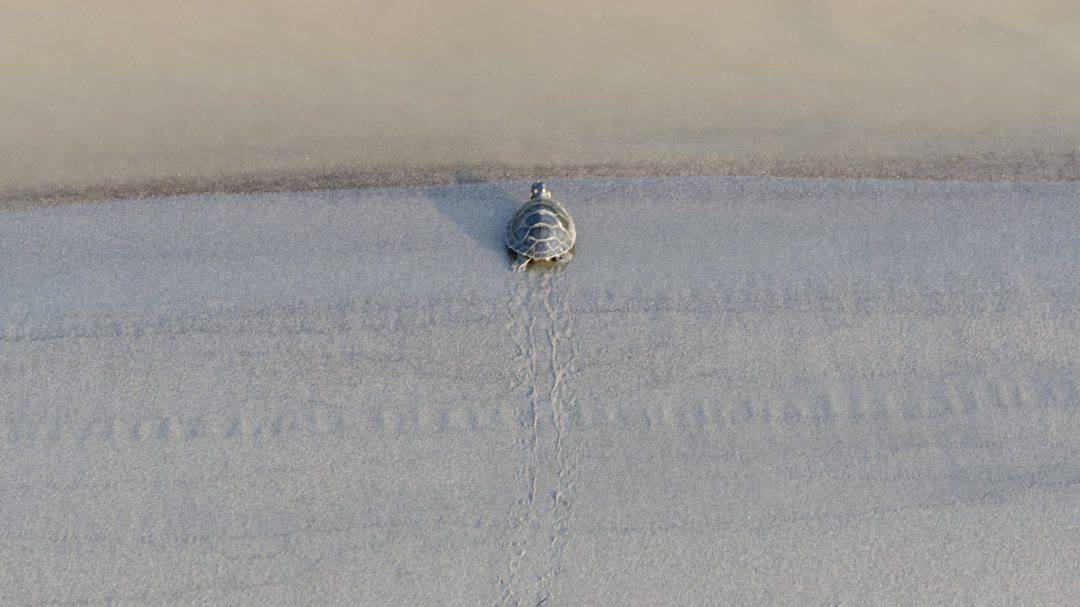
(541, 328)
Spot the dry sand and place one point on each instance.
(742, 390)
(120, 98)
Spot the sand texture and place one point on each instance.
(741, 390)
(118, 98)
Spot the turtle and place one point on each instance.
(541, 230)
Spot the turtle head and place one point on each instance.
(539, 192)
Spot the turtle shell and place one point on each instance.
(540, 229)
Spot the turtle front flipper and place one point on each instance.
(520, 263)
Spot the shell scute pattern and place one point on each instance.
(541, 228)
(542, 232)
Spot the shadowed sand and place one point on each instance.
(114, 98)
(741, 390)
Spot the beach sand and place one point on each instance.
(260, 344)
(741, 390)
(116, 98)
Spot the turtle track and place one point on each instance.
(838, 405)
(541, 330)
(849, 405)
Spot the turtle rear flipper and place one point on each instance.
(520, 263)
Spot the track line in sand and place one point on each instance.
(849, 405)
(548, 419)
(541, 329)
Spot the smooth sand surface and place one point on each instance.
(741, 390)
(119, 98)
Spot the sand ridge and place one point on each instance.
(115, 100)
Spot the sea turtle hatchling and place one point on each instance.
(540, 230)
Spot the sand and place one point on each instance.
(117, 98)
(741, 390)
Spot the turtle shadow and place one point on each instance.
(479, 209)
